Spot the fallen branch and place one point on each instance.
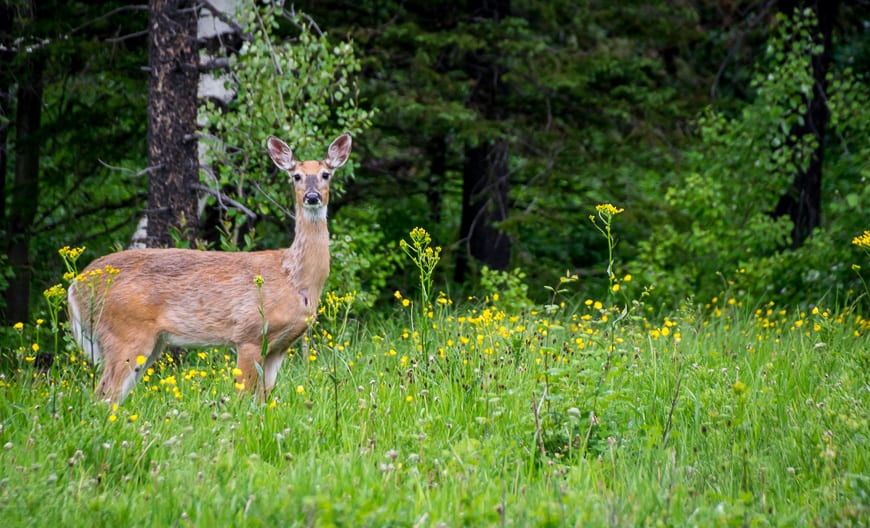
(536, 409)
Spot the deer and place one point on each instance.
(258, 302)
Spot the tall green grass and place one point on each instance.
(595, 414)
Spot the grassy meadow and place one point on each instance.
(484, 412)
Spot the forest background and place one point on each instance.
(733, 134)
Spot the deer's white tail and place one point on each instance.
(125, 307)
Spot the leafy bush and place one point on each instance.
(303, 89)
(509, 288)
(721, 227)
(365, 258)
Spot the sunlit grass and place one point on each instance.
(715, 415)
(488, 411)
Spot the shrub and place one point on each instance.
(720, 227)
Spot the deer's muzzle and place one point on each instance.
(312, 198)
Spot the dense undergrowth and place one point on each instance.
(487, 411)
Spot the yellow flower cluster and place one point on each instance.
(608, 209)
(420, 237)
(55, 292)
(71, 254)
(95, 275)
(862, 241)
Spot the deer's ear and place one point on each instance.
(281, 154)
(338, 151)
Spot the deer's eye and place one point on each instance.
(325, 175)
(297, 177)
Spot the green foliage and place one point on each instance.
(508, 288)
(596, 100)
(303, 89)
(364, 260)
(425, 258)
(92, 127)
(721, 219)
(583, 102)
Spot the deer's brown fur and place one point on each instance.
(190, 297)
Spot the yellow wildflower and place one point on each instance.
(862, 241)
(608, 209)
(71, 253)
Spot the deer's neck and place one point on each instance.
(306, 262)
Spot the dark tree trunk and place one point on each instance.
(6, 24)
(437, 178)
(24, 194)
(484, 205)
(485, 173)
(172, 142)
(803, 202)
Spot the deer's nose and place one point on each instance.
(312, 198)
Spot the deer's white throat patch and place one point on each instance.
(314, 213)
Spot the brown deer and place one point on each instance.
(188, 297)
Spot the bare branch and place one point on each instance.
(223, 17)
(109, 14)
(281, 208)
(737, 43)
(222, 198)
(99, 210)
(128, 36)
(291, 15)
(134, 174)
(536, 411)
(215, 64)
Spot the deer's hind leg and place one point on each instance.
(125, 363)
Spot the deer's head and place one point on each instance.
(311, 178)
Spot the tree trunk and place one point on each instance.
(218, 40)
(172, 103)
(803, 202)
(6, 79)
(24, 194)
(484, 205)
(437, 178)
(485, 173)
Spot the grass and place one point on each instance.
(564, 415)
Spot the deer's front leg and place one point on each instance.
(272, 365)
(250, 358)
